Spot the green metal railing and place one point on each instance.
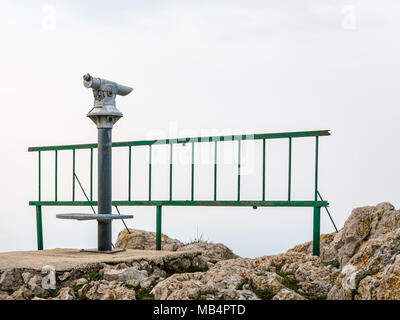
(192, 202)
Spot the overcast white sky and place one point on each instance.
(199, 68)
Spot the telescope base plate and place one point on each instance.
(104, 252)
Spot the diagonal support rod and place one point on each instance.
(87, 198)
(127, 229)
(83, 190)
(330, 217)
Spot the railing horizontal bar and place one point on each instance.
(189, 203)
(259, 136)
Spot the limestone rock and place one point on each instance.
(5, 296)
(10, 280)
(111, 274)
(146, 283)
(367, 249)
(104, 290)
(23, 293)
(145, 240)
(179, 265)
(361, 262)
(265, 276)
(287, 294)
(65, 294)
(157, 272)
(26, 276)
(211, 252)
(80, 282)
(64, 276)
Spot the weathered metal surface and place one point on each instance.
(90, 216)
(178, 203)
(39, 227)
(103, 252)
(259, 136)
(104, 113)
(316, 230)
(158, 227)
(104, 188)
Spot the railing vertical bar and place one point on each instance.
(40, 177)
(39, 227)
(239, 158)
(170, 170)
(215, 169)
(73, 175)
(55, 175)
(130, 174)
(91, 174)
(290, 170)
(192, 171)
(149, 172)
(317, 210)
(263, 194)
(316, 168)
(158, 228)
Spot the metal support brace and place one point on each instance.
(39, 228)
(158, 228)
(316, 230)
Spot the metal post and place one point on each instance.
(316, 230)
(91, 174)
(39, 227)
(158, 228)
(290, 170)
(317, 209)
(215, 169)
(130, 174)
(192, 194)
(239, 158)
(55, 173)
(263, 192)
(104, 187)
(170, 170)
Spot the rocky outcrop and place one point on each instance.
(360, 262)
(129, 280)
(106, 290)
(146, 240)
(211, 252)
(293, 275)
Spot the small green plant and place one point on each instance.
(240, 286)
(314, 297)
(197, 239)
(264, 294)
(129, 286)
(53, 292)
(93, 275)
(333, 263)
(144, 293)
(76, 288)
(289, 282)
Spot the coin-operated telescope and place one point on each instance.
(104, 113)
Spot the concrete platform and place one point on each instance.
(67, 259)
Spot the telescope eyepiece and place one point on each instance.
(87, 77)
